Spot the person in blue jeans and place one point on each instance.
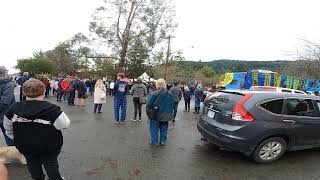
(162, 100)
(120, 98)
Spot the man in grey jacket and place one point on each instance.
(177, 95)
(6, 99)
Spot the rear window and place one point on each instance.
(301, 107)
(274, 106)
(224, 101)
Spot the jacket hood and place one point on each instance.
(38, 108)
(139, 85)
(4, 81)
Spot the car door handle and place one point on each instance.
(289, 121)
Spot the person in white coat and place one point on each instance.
(99, 96)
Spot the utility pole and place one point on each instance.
(167, 59)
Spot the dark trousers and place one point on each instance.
(187, 104)
(50, 163)
(9, 141)
(91, 91)
(47, 91)
(59, 96)
(72, 95)
(22, 97)
(97, 106)
(175, 109)
(137, 107)
(66, 96)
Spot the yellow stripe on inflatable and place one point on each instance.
(267, 79)
(255, 79)
(289, 82)
(226, 79)
(277, 80)
(296, 83)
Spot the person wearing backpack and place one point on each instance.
(120, 99)
(159, 109)
(138, 92)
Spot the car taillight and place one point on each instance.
(240, 113)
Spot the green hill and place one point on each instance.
(221, 66)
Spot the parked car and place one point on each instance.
(262, 125)
(276, 89)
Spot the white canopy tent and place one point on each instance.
(146, 78)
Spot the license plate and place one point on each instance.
(211, 114)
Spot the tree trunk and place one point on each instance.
(122, 62)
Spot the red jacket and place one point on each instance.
(65, 85)
(46, 82)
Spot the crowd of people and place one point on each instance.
(34, 118)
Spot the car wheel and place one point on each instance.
(270, 150)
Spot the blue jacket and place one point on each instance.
(22, 79)
(163, 100)
(120, 89)
(198, 94)
(60, 90)
(6, 96)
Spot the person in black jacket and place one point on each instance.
(35, 125)
(6, 100)
(80, 86)
(22, 80)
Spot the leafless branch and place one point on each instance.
(118, 23)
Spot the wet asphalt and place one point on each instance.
(97, 149)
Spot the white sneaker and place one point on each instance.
(117, 122)
(140, 120)
(122, 122)
(134, 120)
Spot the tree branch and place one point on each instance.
(131, 17)
(118, 23)
(150, 30)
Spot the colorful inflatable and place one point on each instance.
(244, 80)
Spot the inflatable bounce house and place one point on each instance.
(244, 80)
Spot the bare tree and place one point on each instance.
(307, 64)
(118, 23)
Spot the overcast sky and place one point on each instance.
(218, 29)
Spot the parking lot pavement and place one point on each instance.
(97, 149)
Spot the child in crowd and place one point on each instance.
(35, 125)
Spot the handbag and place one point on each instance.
(85, 96)
(153, 113)
(142, 99)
